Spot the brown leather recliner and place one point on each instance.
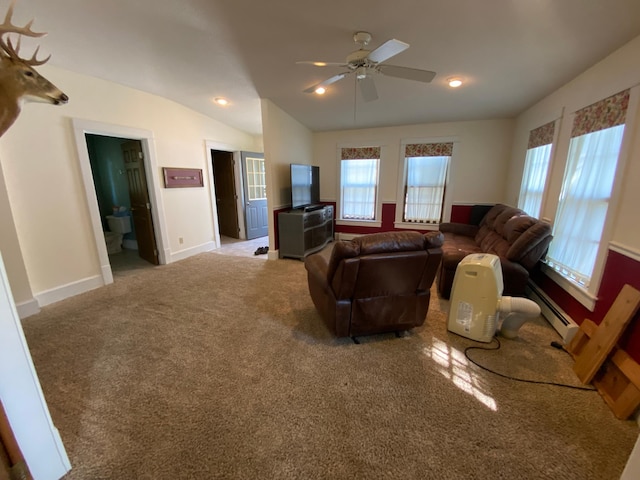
(375, 283)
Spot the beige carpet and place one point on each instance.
(219, 367)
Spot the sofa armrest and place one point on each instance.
(459, 229)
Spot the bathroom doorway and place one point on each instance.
(117, 167)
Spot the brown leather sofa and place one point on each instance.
(374, 283)
(518, 239)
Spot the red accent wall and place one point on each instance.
(461, 213)
(619, 270)
(388, 217)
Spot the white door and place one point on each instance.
(255, 195)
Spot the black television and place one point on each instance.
(305, 185)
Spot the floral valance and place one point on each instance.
(542, 135)
(360, 153)
(428, 150)
(606, 113)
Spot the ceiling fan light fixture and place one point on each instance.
(223, 102)
(361, 73)
(454, 82)
(320, 90)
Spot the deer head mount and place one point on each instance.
(19, 81)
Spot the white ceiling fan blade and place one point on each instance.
(326, 82)
(387, 50)
(321, 64)
(407, 73)
(368, 89)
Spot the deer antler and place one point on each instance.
(7, 46)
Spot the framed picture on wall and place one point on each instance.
(182, 177)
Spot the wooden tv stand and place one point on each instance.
(304, 231)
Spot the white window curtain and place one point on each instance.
(584, 199)
(426, 178)
(359, 185)
(536, 165)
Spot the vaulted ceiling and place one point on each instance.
(511, 53)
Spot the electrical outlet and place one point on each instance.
(180, 240)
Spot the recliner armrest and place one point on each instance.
(318, 267)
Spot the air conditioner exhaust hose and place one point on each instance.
(518, 310)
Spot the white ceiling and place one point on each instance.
(512, 53)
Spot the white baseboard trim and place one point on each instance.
(54, 295)
(557, 317)
(273, 255)
(28, 308)
(107, 274)
(189, 252)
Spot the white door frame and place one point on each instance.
(83, 127)
(22, 397)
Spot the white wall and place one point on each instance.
(14, 262)
(478, 170)
(286, 141)
(617, 72)
(44, 181)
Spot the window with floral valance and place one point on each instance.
(594, 149)
(359, 182)
(536, 167)
(426, 166)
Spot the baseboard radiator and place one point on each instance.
(558, 319)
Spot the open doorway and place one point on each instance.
(224, 180)
(240, 199)
(119, 178)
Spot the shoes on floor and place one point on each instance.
(261, 251)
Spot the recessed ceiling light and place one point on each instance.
(221, 101)
(454, 82)
(320, 90)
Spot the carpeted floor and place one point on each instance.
(219, 367)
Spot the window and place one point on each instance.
(586, 188)
(359, 183)
(256, 179)
(426, 167)
(536, 165)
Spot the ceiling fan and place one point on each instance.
(367, 63)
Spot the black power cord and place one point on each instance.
(497, 347)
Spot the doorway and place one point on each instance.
(224, 180)
(122, 193)
(239, 181)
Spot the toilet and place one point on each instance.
(118, 226)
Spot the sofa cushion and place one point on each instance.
(516, 226)
(494, 243)
(502, 219)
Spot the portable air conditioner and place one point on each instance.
(477, 301)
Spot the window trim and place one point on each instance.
(587, 297)
(377, 221)
(401, 184)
